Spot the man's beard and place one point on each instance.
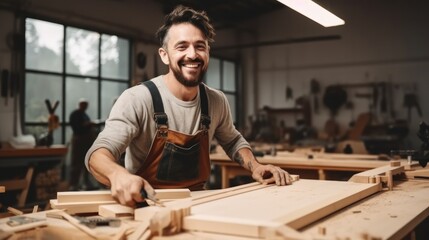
(185, 82)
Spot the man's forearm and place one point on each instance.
(102, 164)
(246, 159)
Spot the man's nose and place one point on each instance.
(191, 53)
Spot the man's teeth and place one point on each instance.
(192, 65)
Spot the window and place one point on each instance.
(66, 64)
(222, 75)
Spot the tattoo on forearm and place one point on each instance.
(250, 165)
(239, 159)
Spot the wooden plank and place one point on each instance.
(79, 207)
(227, 193)
(73, 221)
(309, 214)
(172, 193)
(105, 195)
(84, 196)
(228, 225)
(115, 211)
(386, 215)
(14, 184)
(23, 195)
(272, 204)
(55, 150)
(15, 211)
(419, 173)
(365, 177)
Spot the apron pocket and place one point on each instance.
(178, 163)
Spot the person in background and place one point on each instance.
(82, 139)
(165, 125)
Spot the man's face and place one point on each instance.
(187, 53)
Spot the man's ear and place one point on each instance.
(164, 56)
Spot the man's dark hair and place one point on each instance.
(182, 14)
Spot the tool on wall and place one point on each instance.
(315, 90)
(5, 84)
(410, 101)
(334, 97)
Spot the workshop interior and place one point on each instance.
(340, 105)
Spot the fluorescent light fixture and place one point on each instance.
(314, 11)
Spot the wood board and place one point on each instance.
(296, 205)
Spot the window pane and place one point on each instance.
(213, 73)
(39, 87)
(78, 88)
(228, 76)
(82, 51)
(231, 100)
(110, 91)
(43, 45)
(69, 134)
(114, 57)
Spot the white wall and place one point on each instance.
(381, 41)
(6, 105)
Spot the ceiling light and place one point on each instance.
(314, 11)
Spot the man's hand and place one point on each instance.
(267, 174)
(126, 188)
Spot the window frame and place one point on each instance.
(64, 123)
(235, 93)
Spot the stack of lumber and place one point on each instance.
(82, 202)
(46, 183)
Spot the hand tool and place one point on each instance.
(151, 197)
(95, 222)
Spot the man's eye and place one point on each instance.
(201, 47)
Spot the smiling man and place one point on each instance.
(165, 125)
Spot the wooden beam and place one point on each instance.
(79, 207)
(172, 193)
(73, 221)
(84, 196)
(105, 195)
(115, 211)
(228, 225)
(365, 177)
(304, 216)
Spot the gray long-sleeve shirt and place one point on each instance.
(131, 128)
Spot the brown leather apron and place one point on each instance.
(175, 159)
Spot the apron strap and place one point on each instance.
(159, 115)
(205, 117)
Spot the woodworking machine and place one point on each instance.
(421, 155)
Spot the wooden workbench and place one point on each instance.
(29, 159)
(295, 164)
(383, 215)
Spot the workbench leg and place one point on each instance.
(24, 193)
(322, 175)
(225, 177)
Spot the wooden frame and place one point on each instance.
(230, 213)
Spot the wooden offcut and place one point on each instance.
(84, 196)
(388, 170)
(79, 207)
(115, 211)
(172, 193)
